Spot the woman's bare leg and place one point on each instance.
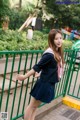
(33, 114)
(30, 111)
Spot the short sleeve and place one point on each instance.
(46, 58)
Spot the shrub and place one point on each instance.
(67, 44)
(14, 40)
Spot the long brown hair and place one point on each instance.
(51, 38)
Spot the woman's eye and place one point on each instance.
(56, 39)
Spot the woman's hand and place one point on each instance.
(37, 75)
(20, 77)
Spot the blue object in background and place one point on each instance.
(72, 36)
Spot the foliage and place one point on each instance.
(13, 40)
(64, 15)
(53, 15)
(4, 9)
(67, 44)
(17, 18)
(59, 15)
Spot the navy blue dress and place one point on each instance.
(44, 88)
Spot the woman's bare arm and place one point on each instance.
(23, 77)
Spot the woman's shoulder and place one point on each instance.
(48, 54)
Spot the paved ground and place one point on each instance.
(62, 112)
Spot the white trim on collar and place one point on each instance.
(49, 50)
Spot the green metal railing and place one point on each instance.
(73, 83)
(15, 97)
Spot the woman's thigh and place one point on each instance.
(34, 103)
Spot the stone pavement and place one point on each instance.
(62, 112)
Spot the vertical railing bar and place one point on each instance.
(66, 67)
(62, 84)
(33, 76)
(10, 82)
(75, 83)
(25, 95)
(13, 100)
(20, 98)
(78, 91)
(31, 60)
(4, 80)
(27, 86)
(25, 63)
(70, 79)
(56, 89)
(15, 88)
(31, 65)
(65, 74)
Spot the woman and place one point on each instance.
(50, 69)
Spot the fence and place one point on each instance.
(14, 95)
(72, 87)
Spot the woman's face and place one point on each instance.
(58, 40)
